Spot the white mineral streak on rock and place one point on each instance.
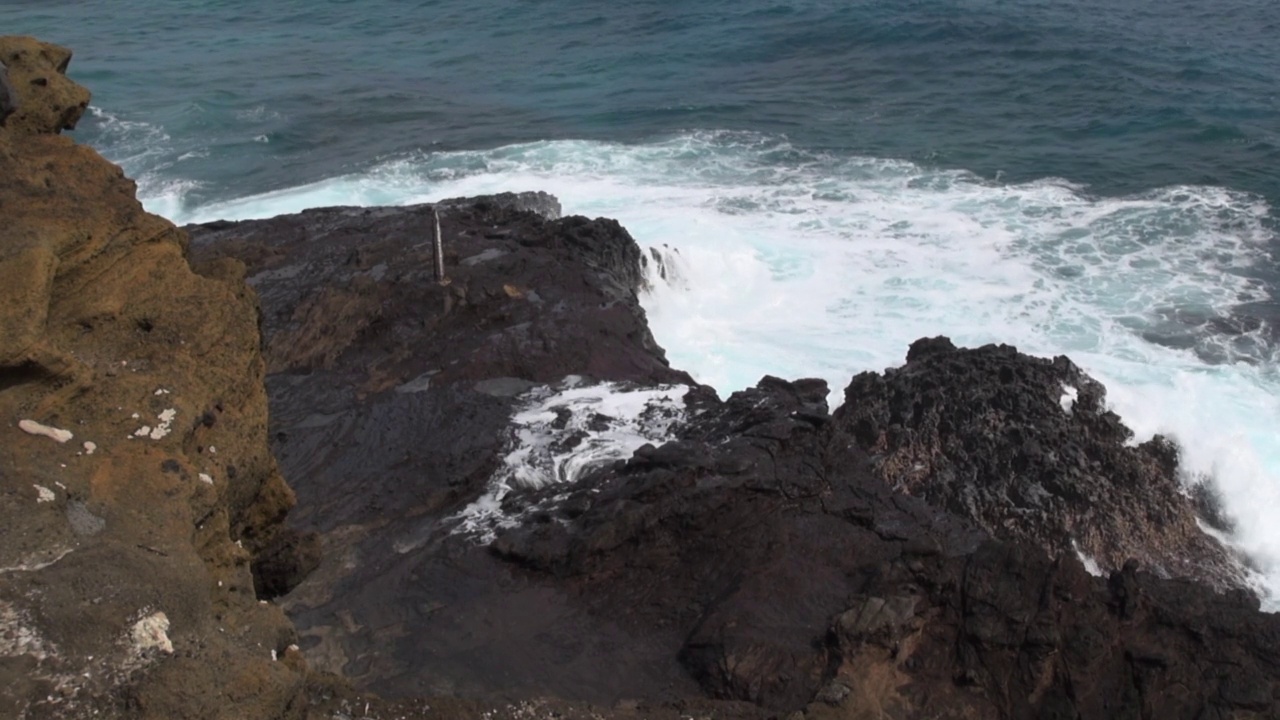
(37, 561)
(1090, 565)
(206, 478)
(166, 423)
(151, 633)
(31, 427)
(163, 428)
(44, 494)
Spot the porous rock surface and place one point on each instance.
(125, 583)
(1027, 448)
(36, 97)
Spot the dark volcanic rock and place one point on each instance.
(1026, 447)
(749, 551)
(350, 290)
(8, 96)
(391, 402)
(764, 555)
(388, 388)
(797, 577)
(538, 203)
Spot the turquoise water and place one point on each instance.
(1121, 96)
(829, 181)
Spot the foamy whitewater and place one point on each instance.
(563, 432)
(800, 264)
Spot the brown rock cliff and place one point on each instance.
(135, 477)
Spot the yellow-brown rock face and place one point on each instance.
(135, 476)
(41, 96)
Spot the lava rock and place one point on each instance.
(392, 397)
(1026, 448)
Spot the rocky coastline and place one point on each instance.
(970, 535)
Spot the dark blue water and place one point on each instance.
(1120, 95)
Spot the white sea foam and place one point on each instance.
(562, 432)
(128, 142)
(143, 150)
(801, 264)
(1090, 565)
(1068, 399)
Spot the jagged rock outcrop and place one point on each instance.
(798, 578)
(761, 556)
(1027, 448)
(136, 482)
(392, 398)
(36, 97)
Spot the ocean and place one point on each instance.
(829, 181)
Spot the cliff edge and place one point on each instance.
(136, 482)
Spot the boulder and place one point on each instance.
(36, 97)
(1027, 448)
